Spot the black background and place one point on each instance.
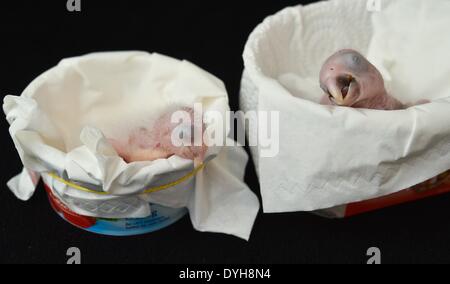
(35, 35)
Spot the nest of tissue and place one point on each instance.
(332, 155)
(91, 120)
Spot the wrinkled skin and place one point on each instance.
(156, 143)
(350, 80)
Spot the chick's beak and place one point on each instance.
(336, 94)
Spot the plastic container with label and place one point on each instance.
(160, 218)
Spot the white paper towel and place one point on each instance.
(333, 155)
(62, 120)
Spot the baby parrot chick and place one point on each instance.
(157, 142)
(350, 80)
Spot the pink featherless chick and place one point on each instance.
(157, 143)
(350, 80)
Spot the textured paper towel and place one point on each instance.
(332, 155)
(62, 121)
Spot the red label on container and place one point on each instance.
(433, 187)
(72, 217)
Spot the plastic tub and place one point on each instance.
(160, 218)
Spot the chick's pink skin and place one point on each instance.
(164, 129)
(350, 80)
(156, 143)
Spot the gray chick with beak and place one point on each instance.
(350, 80)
